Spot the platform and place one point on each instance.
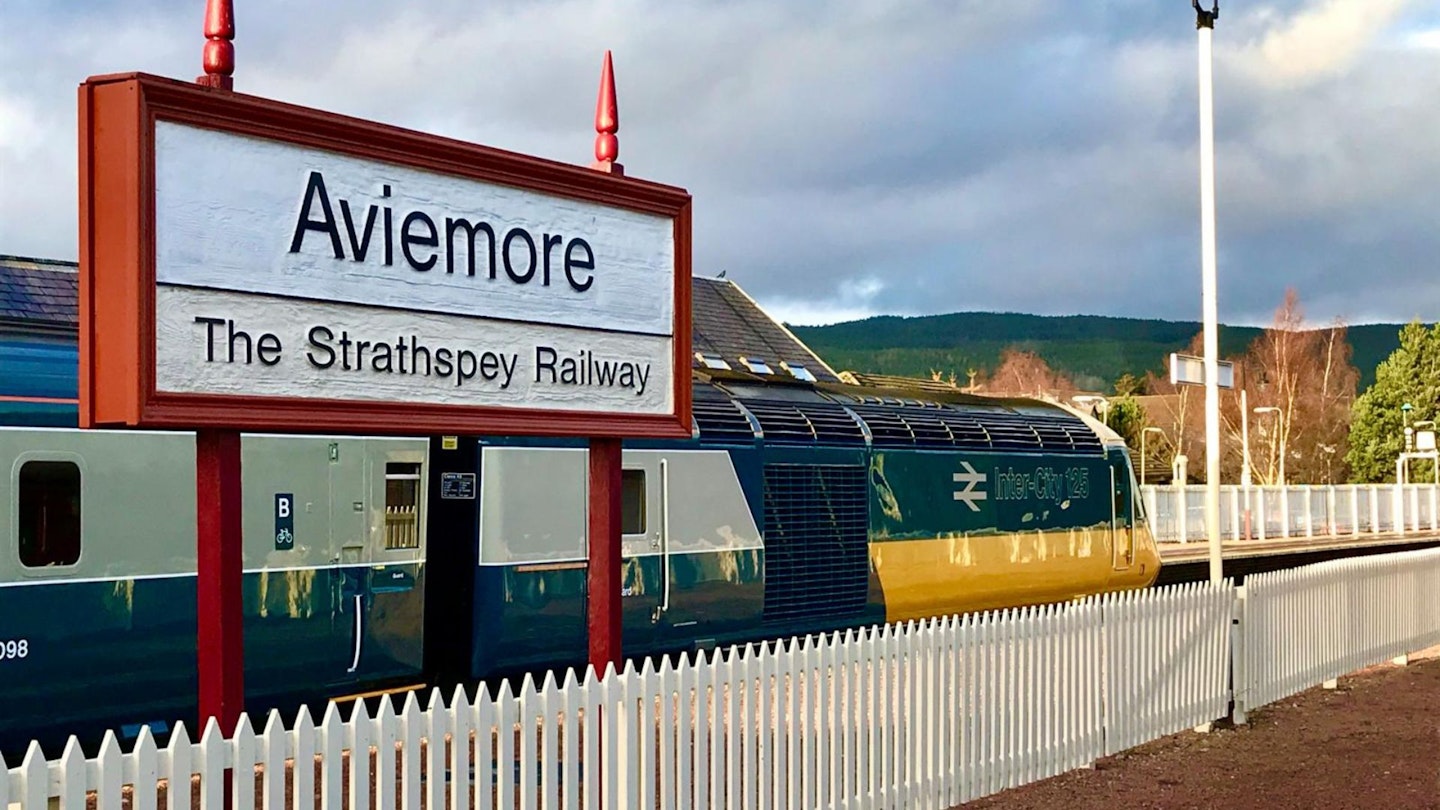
(1190, 562)
(1230, 549)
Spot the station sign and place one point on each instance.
(1187, 369)
(255, 265)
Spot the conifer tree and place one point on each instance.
(1411, 374)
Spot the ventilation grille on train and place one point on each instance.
(976, 430)
(720, 420)
(816, 541)
(805, 422)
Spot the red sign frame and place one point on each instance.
(117, 115)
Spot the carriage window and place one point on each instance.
(632, 502)
(402, 506)
(49, 513)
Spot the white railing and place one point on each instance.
(1305, 626)
(927, 714)
(1177, 514)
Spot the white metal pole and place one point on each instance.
(1245, 457)
(1143, 432)
(1204, 24)
(1283, 428)
(1245, 440)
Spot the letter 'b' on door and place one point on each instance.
(284, 521)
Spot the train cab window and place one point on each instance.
(49, 513)
(402, 506)
(632, 502)
(1122, 514)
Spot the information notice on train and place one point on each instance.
(457, 486)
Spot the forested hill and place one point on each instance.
(1094, 350)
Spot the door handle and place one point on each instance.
(665, 534)
(359, 632)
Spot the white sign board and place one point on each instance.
(252, 265)
(1190, 370)
(292, 270)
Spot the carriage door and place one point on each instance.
(1122, 514)
(392, 641)
(380, 562)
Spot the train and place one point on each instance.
(377, 564)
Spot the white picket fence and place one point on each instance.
(1177, 514)
(1305, 626)
(1167, 662)
(927, 714)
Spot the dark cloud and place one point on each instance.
(849, 158)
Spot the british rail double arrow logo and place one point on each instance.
(970, 478)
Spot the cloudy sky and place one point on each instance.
(854, 158)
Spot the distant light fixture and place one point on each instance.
(756, 365)
(713, 361)
(798, 371)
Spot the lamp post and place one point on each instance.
(1245, 457)
(1204, 26)
(1244, 442)
(1142, 450)
(1279, 428)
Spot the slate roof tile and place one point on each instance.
(39, 291)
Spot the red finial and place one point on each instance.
(219, 55)
(607, 123)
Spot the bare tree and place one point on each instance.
(1025, 373)
(1304, 383)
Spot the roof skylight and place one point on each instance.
(798, 371)
(713, 361)
(756, 365)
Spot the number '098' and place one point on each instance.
(13, 649)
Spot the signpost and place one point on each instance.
(1187, 369)
(252, 265)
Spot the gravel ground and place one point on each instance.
(1372, 743)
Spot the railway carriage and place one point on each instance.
(97, 586)
(374, 563)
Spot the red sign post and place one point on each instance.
(253, 265)
(602, 581)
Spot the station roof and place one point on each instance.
(729, 327)
(39, 293)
